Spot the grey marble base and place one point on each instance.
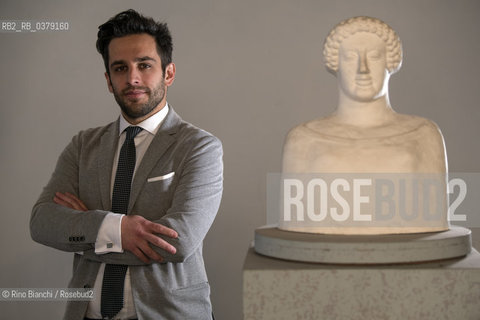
(277, 289)
(363, 249)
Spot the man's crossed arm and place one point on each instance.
(171, 230)
(137, 233)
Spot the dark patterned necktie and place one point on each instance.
(114, 276)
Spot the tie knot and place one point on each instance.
(132, 132)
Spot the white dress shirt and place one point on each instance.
(109, 238)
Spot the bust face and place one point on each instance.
(362, 68)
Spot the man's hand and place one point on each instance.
(70, 201)
(138, 233)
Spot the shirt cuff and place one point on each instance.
(109, 237)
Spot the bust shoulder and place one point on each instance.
(404, 144)
(331, 127)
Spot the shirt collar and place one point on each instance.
(151, 124)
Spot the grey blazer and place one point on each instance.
(186, 201)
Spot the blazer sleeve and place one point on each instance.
(60, 227)
(196, 200)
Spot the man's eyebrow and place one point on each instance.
(139, 59)
(145, 58)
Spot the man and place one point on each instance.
(134, 199)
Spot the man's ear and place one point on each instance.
(170, 74)
(109, 82)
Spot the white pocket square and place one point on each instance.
(164, 177)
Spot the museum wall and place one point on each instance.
(247, 71)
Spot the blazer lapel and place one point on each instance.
(161, 142)
(107, 149)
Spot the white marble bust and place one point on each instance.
(365, 135)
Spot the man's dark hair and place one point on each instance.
(131, 22)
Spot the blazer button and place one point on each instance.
(70, 239)
(82, 238)
(86, 286)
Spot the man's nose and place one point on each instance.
(363, 63)
(133, 76)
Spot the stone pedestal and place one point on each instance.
(363, 249)
(279, 289)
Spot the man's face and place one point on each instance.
(136, 78)
(362, 68)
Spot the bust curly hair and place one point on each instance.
(351, 26)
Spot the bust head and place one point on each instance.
(355, 25)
